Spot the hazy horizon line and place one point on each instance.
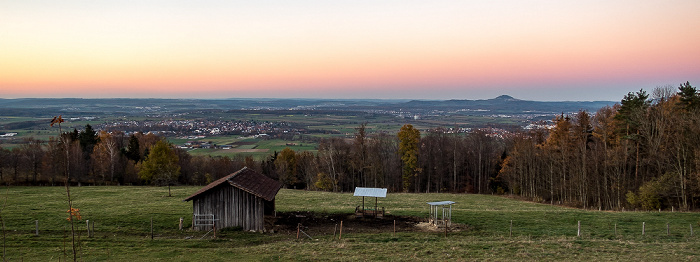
(304, 98)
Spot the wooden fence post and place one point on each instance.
(578, 233)
(334, 230)
(510, 234)
(643, 227)
(87, 225)
(340, 236)
(394, 228)
(615, 229)
(36, 222)
(181, 220)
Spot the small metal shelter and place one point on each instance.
(369, 192)
(446, 208)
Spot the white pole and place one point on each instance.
(450, 215)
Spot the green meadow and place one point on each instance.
(122, 229)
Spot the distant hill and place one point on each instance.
(505, 104)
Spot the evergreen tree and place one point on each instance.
(88, 139)
(409, 137)
(689, 97)
(132, 151)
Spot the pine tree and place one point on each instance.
(409, 137)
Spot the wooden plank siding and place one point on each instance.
(241, 199)
(232, 207)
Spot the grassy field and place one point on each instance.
(540, 232)
(257, 148)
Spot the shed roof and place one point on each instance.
(247, 180)
(440, 203)
(370, 192)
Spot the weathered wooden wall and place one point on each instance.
(232, 207)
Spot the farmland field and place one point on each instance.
(257, 148)
(123, 215)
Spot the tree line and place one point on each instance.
(438, 161)
(639, 153)
(101, 158)
(442, 161)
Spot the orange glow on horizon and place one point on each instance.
(340, 50)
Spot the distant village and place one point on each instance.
(200, 127)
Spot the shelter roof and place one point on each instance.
(440, 203)
(247, 180)
(370, 192)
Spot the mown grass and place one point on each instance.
(540, 232)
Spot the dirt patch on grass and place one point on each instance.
(316, 224)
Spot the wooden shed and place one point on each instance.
(241, 199)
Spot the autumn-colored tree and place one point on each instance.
(105, 155)
(609, 182)
(685, 142)
(161, 167)
(324, 182)
(286, 166)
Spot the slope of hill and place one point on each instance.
(505, 105)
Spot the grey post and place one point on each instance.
(578, 234)
(511, 229)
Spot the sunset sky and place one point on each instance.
(534, 50)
